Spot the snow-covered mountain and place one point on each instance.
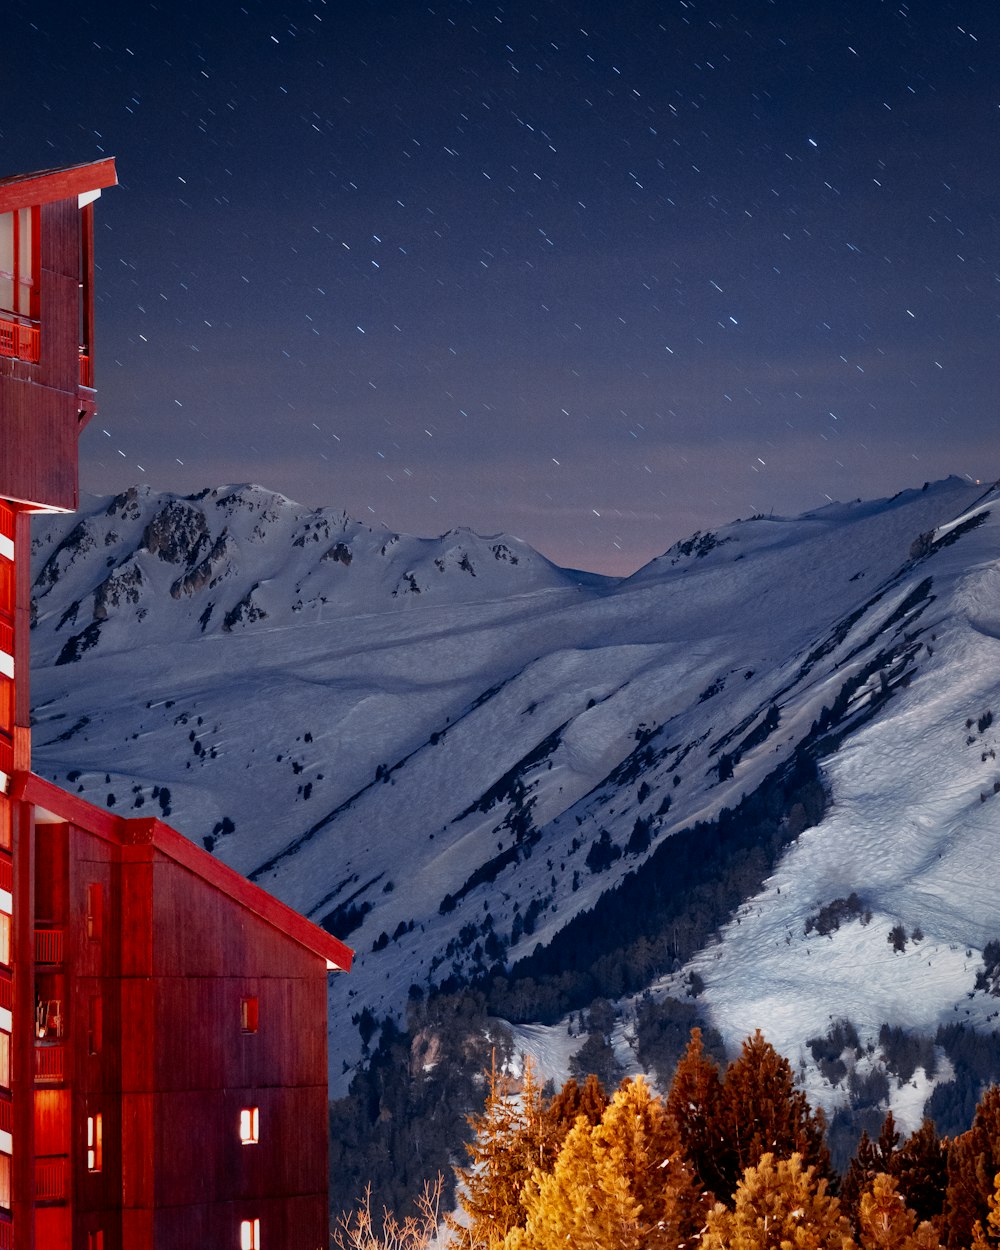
(446, 749)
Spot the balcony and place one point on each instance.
(51, 1176)
(18, 340)
(50, 1065)
(49, 946)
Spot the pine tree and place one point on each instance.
(989, 1238)
(973, 1162)
(486, 1194)
(583, 1202)
(693, 1102)
(573, 1100)
(762, 1113)
(512, 1139)
(870, 1158)
(780, 1204)
(623, 1184)
(885, 1222)
(921, 1168)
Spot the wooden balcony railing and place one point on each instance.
(51, 1174)
(86, 371)
(6, 876)
(6, 1234)
(19, 341)
(49, 944)
(6, 1116)
(50, 1064)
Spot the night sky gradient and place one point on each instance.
(594, 274)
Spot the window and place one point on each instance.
(248, 1015)
(95, 1240)
(5, 1060)
(18, 262)
(95, 1024)
(4, 938)
(5, 1178)
(250, 1126)
(95, 1142)
(250, 1235)
(95, 911)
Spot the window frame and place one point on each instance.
(250, 1234)
(249, 1126)
(95, 1142)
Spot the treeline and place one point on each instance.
(728, 1160)
(658, 916)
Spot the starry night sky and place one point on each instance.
(595, 274)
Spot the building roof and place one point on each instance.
(61, 806)
(45, 186)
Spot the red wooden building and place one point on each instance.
(163, 1053)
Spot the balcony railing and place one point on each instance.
(6, 877)
(6, 1234)
(19, 341)
(50, 1064)
(6, 1116)
(51, 1173)
(49, 946)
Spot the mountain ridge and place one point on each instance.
(502, 745)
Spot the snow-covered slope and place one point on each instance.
(419, 742)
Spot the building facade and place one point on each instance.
(163, 1045)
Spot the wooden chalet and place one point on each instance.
(163, 1022)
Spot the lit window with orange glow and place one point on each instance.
(250, 1126)
(250, 1235)
(95, 1142)
(248, 1015)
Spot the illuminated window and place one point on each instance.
(95, 911)
(5, 1060)
(95, 1024)
(250, 1235)
(248, 1015)
(18, 262)
(5, 1170)
(95, 1142)
(4, 938)
(250, 1126)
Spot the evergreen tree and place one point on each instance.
(973, 1162)
(989, 1238)
(779, 1204)
(921, 1168)
(693, 1102)
(584, 1202)
(623, 1184)
(512, 1139)
(572, 1101)
(762, 1113)
(885, 1222)
(870, 1158)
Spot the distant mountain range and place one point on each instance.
(450, 751)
